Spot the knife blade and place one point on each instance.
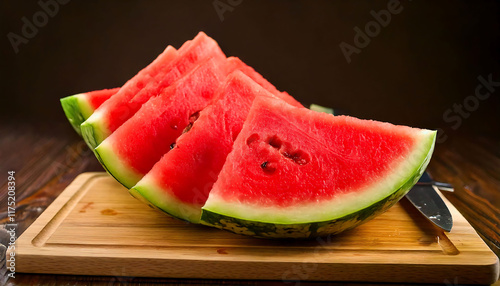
(427, 180)
(428, 202)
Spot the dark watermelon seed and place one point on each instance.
(274, 141)
(254, 137)
(268, 167)
(172, 146)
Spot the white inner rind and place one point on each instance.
(95, 126)
(116, 166)
(85, 109)
(163, 199)
(341, 204)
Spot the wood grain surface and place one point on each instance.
(95, 227)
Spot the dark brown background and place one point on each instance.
(424, 61)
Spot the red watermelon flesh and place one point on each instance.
(190, 56)
(135, 84)
(353, 152)
(157, 126)
(98, 97)
(116, 111)
(133, 149)
(294, 166)
(185, 175)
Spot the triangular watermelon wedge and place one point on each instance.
(79, 107)
(180, 182)
(148, 83)
(298, 173)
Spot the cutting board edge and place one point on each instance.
(265, 271)
(44, 225)
(41, 229)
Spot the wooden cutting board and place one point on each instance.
(96, 228)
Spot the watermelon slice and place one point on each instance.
(180, 182)
(132, 150)
(298, 173)
(96, 127)
(80, 106)
(123, 105)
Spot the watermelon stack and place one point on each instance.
(207, 139)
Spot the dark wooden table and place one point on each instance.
(47, 157)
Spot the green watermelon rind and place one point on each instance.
(137, 195)
(321, 228)
(93, 131)
(150, 194)
(76, 109)
(115, 166)
(320, 108)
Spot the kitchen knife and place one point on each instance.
(423, 195)
(427, 180)
(428, 202)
